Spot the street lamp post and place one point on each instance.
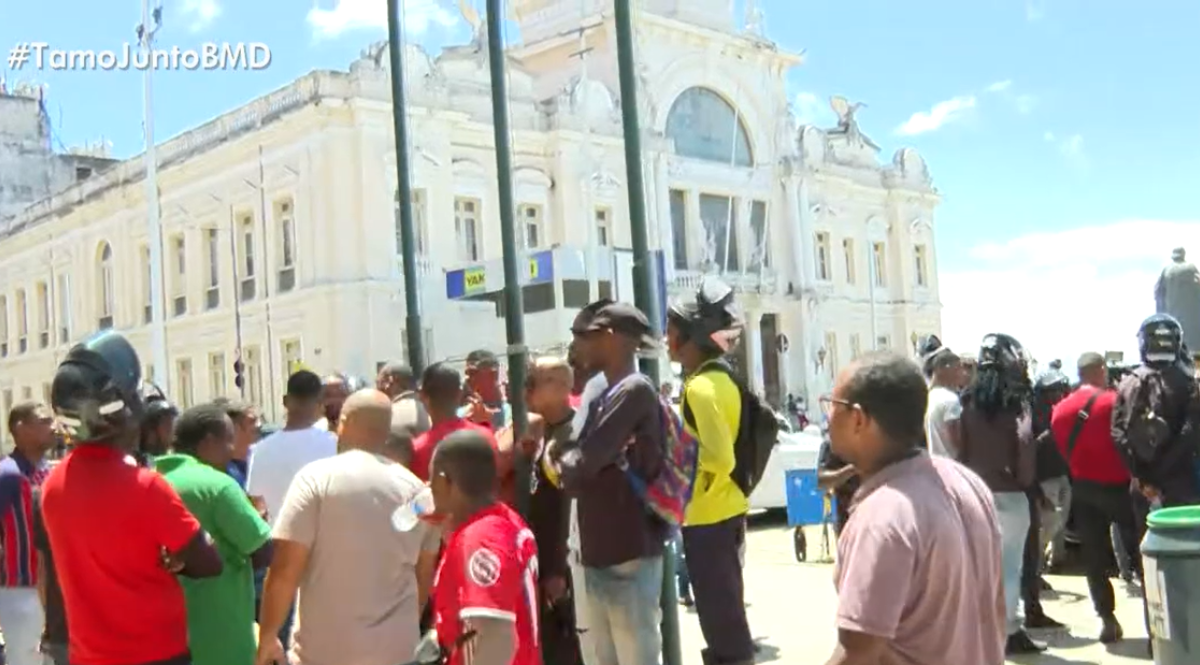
(151, 22)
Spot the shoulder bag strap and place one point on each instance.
(1081, 419)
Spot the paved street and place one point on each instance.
(792, 604)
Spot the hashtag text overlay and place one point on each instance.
(210, 56)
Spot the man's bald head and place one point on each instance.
(396, 379)
(366, 421)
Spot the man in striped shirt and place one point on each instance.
(32, 429)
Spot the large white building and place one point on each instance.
(279, 224)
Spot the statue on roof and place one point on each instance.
(1177, 293)
(478, 25)
(847, 122)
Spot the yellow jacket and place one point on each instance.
(715, 405)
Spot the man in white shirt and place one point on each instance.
(944, 371)
(276, 460)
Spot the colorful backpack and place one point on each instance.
(667, 495)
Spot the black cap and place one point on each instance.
(619, 317)
(483, 359)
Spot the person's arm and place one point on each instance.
(493, 588)
(238, 522)
(427, 560)
(874, 581)
(294, 534)
(832, 473)
(703, 401)
(627, 407)
(948, 426)
(41, 543)
(1126, 401)
(10, 489)
(179, 534)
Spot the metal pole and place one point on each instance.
(266, 235)
(413, 328)
(643, 279)
(873, 277)
(158, 326)
(237, 299)
(514, 307)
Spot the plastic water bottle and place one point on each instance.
(409, 515)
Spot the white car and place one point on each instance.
(794, 450)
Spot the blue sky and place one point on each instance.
(1062, 133)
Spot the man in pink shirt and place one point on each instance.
(918, 569)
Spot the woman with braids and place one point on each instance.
(996, 441)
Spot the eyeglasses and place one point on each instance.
(828, 403)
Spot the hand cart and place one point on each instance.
(807, 505)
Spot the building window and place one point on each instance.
(418, 212)
(216, 375)
(679, 228)
(63, 295)
(879, 263)
(212, 246)
(822, 257)
(42, 314)
(291, 357)
(850, 258)
(466, 228)
(921, 260)
(178, 275)
(107, 287)
(183, 375)
(705, 126)
(530, 216)
(883, 343)
(759, 231)
(719, 216)
(831, 352)
(604, 227)
(22, 307)
(147, 298)
(253, 367)
(855, 346)
(3, 329)
(244, 246)
(287, 246)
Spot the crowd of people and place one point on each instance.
(380, 525)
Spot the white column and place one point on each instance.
(754, 346)
(662, 201)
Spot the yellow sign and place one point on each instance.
(474, 279)
(533, 269)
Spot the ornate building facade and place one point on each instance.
(280, 237)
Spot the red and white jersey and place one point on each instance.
(488, 570)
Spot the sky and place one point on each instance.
(1062, 134)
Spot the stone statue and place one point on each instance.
(1178, 293)
(754, 19)
(478, 25)
(847, 123)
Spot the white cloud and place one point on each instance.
(1065, 292)
(1071, 148)
(933, 119)
(1000, 86)
(813, 110)
(348, 15)
(200, 13)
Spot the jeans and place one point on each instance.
(22, 620)
(715, 554)
(624, 612)
(583, 623)
(1054, 521)
(682, 581)
(1012, 511)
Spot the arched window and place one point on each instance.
(705, 126)
(106, 286)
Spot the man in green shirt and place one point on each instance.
(220, 609)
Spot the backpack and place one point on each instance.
(758, 432)
(666, 496)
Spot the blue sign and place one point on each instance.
(472, 281)
(541, 267)
(456, 283)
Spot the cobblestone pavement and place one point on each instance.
(791, 609)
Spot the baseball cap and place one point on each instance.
(619, 317)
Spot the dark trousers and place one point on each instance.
(1096, 507)
(1031, 569)
(714, 565)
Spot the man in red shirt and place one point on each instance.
(441, 393)
(485, 592)
(1082, 428)
(118, 531)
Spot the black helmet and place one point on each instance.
(1160, 340)
(95, 389)
(156, 404)
(711, 320)
(1052, 380)
(934, 355)
(1002, 351)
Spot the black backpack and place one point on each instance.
(757, 434)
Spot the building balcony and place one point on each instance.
(764, 281)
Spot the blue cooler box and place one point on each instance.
(805, 502)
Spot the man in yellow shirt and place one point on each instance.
(699, 334)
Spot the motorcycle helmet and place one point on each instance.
(156, 404)
(711, 319)
(95, 390)
(1002, 351)
(1160, 340)
(1052, 380)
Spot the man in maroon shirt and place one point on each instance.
(1081, 424)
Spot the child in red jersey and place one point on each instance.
(485, 595)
